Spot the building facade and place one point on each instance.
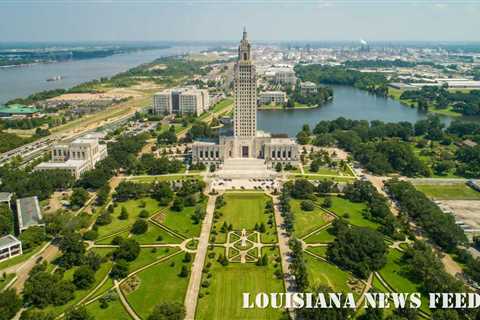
(181, 101)
(77, 157)
(308, 88)
(275, 97)
(246, 141)
(285, 76)
(9, 247)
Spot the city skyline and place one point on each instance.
(198, 20)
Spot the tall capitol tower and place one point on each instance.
(245, 96)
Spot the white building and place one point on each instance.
(29, 213)
(275, 97)
(308, 88)
(77, 157)
(181, 101)
(282, 75)
(246, 141)
(9, 247)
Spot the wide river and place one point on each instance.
(347, 102)
(23, 81)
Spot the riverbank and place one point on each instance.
(272, 106)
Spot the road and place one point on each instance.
(196, 273)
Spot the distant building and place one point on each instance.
(181, 101)
(9, 247)
(308, 88)
(475, 184)
(282, 75)
(275, 97)
(6, 197)
(18, 111)
(28, 213)
(77, 157)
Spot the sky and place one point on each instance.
(272, 20)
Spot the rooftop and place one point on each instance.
(28, 212)
(8, 241)
(61, 165)
(5, 196)
(18, 109)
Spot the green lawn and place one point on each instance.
(458, 191)
(307, 221)
(133, 208)
(6, 280)
(159, 284)
(323, 236)
(324, 273)
(114, 310)
(340, 206)
(223, 298)
(19, 259)
(219, 106)
(153, 234)
(147, 256)
(320, 251)
(321, 178)
(243, 210)
(181, 222)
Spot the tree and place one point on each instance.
(79, 197)
(307, 205)
(10, 304)
(278, 167)
(102, 194)
(83, 277)
(42, 289)
(73, 250)
(123, 214)
(6, 220)
(79, 313)
(361, 250)
(139, 227)
(184, 272)
(119, 270)
(168, 311)
(303, 138)
(178, 204)
(128, 250)
(327, 202)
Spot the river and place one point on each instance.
(348, 102)
(18, 82)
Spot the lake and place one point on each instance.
(22, 81)
(348, 102)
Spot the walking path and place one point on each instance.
(196, 273)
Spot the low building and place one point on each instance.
(181, 101)
(308, 88)
(475, 184)
(9, 247)
(18, 111)
(29, 213)
(274, 97)
(6, 197)
(77, 157)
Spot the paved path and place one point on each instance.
(285, 252)
(125, 303)
(196, 273)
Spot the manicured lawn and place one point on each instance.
(181, 222)
(340, 206)
(114, 310)
(324, 273)
(458, 191)
(219, 106)
(153, 234)
(243, 210)
(320, 251)
(147, 256)
(307, 221)
(322, 170)
(133, 208)
(323, 236)
(159, 284)
(80, 294)
(379, 286)
(224, 298)
(108, 239)
(4, 282)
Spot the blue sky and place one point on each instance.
(115, 20)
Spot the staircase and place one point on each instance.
(245, 168)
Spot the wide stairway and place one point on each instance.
(245, 168)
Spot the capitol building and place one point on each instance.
(246, 143)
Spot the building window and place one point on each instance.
(211, 154)
(217, 154)
(278, 154)
(290, 153)
(284, 153)
(273, 154)
(201, 154)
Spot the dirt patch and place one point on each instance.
(56, 201)
(159, 217)
(130, 285)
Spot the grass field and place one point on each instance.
(324, 273)
(307, 221)
(147, 256)
(243, 210)
(181, 222)
(219, 106)
(320, 251)
(153, 234)
(458, 191)
(224, 298)
(133, 208)
(159, 284)
(19, 259)
(340, 206)
(114, 310)
(6, 280)
(323, 236)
